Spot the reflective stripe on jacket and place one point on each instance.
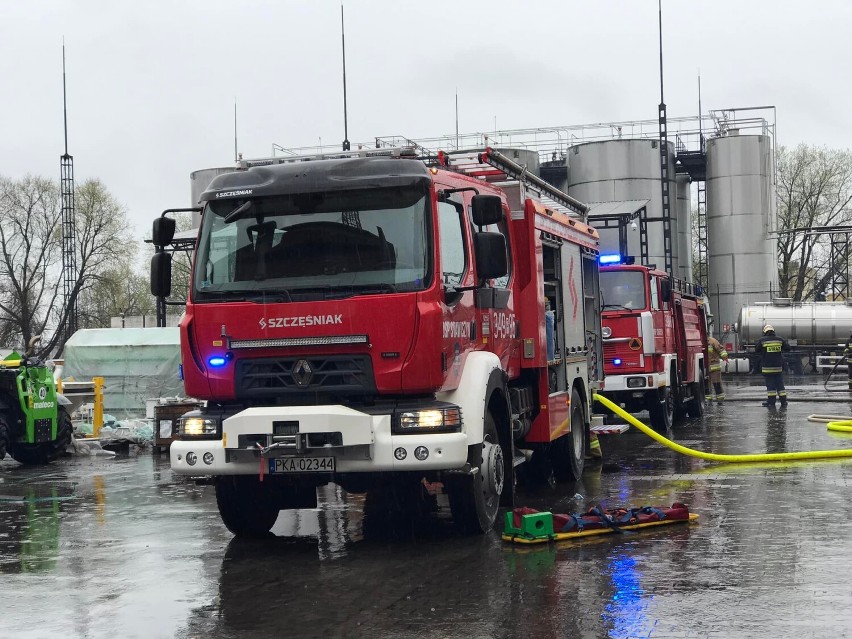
(716, 352)
(770, 347)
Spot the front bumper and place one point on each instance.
(368, 444)
(618, 383)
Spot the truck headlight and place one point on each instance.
(429, 420)
(198, 427)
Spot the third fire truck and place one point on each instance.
(655, 342)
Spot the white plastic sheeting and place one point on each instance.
(136, 364)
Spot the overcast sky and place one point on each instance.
(151, 85)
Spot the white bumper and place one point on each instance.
(618, 383)
(368, 444)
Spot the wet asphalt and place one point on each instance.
(100, 547)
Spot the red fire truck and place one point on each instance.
(380, 320)
(655, 342)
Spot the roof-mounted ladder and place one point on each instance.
(492, 166)
(407, 152)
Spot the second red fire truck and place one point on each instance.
(655, 342)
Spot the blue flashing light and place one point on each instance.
(611, 258)
(217, 361)
(616, 361)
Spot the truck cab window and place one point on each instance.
(655, 295)
(453, 258)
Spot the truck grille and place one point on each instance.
(341, 375)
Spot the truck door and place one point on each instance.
(458, 329)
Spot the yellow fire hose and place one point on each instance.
(759, 457)
(835, 423)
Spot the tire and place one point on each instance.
(661, 409)
(568, 453)
(475, 500)
(37, 454)
(695, 406)
(4, 439)
(64, 432)
(248, 507)
(679, 405)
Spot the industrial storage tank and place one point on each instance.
(741, 253)
(627, 169)
(683, 216)
(824, 324)
(199, 181)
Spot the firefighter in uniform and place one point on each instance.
(770, 348)
(717, 353)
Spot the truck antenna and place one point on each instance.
(346, 145)
(457, 118)
(236, 155)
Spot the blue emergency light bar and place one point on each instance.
(612, 258)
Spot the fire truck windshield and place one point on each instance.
(623, 290)
(314, 246)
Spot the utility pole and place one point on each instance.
(69, 253)
(664, 161)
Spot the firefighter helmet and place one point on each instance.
(768, 329)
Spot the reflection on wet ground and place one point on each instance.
(93, 547)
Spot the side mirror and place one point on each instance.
(487, 209)
(491, 259)
(666, 290)
(161, 274)
(163, 231)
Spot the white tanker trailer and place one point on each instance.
(812, 328)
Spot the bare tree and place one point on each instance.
(32, 297)
(814, 187)
(118, 292)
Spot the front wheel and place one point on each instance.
(4, 439)
(661, 409)
(247, 506)
(46, 452)
(475, 499)
(569, 451)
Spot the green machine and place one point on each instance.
(35, 427)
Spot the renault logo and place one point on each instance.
(302, 372)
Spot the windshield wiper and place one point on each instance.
(272, 297)
(238, 212)
(223, 296)
(616, 306)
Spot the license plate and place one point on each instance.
(301, 465)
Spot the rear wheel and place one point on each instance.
(695, 406)
(247, 506)
(661, 409)
(475, 500)
(569, 452)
